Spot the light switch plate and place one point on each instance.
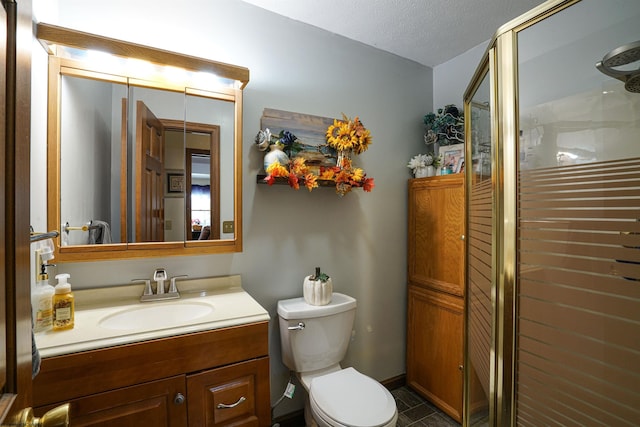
(227, 226)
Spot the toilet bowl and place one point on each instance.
(314, 339)
(349, 398)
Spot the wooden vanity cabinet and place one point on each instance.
(175, 382)
(435, 295)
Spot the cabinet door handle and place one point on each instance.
(179, 399)
(233, 405)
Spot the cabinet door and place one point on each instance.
(234, 395)
(148, 404)
(435, 230)
(434, 348)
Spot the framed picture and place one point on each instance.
(460, 166)
(452, 156)
(175, 182)
(310, 132)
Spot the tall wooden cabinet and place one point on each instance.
(435, 310)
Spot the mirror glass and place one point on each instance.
(176, 176)
(143, 163)
(91, 124)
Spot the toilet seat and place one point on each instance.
(349, 398)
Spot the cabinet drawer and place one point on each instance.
(150, 404)
(235, 395)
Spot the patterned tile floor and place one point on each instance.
(415, 411)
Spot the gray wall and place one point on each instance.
(452, 77)
(360, 239)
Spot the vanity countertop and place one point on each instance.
(232, 306)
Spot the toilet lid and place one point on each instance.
(350, 398)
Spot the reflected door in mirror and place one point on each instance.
(149, 174)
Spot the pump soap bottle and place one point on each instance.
(63, 304)
(42, 301)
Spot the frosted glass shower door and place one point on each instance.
(577, 342)
(480, 252)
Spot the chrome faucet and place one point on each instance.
(159, 276)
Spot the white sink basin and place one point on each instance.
(156, 316)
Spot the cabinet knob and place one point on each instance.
(460, 368)
(179, 399)
(462, 237)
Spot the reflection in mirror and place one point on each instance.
(201, 198)
(161, 197)
(142, 161)
(91, 128)
(149, 157)
(215, 126)
(198, 208)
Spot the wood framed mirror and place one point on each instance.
(144, 149)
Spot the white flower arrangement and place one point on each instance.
(422, 161)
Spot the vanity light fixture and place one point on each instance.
(74, 44)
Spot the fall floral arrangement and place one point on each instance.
(348, 135)
(342, 135)
(345, 177)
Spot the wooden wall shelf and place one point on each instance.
(284, 181)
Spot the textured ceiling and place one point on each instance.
(429, 32)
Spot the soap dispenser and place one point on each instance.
(42, 301)
(63, 304)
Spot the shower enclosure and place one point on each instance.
(552, 322)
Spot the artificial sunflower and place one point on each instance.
(348, 135)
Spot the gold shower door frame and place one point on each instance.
(500, 66)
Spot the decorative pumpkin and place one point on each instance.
(317, 288)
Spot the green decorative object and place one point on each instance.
(445, 128)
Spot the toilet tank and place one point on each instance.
(324, 339)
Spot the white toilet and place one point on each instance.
(314, 340)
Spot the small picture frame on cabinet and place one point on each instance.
(451, 156)
(460, 165)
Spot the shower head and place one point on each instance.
(633, 83)
(618, 57)
(622, 55)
